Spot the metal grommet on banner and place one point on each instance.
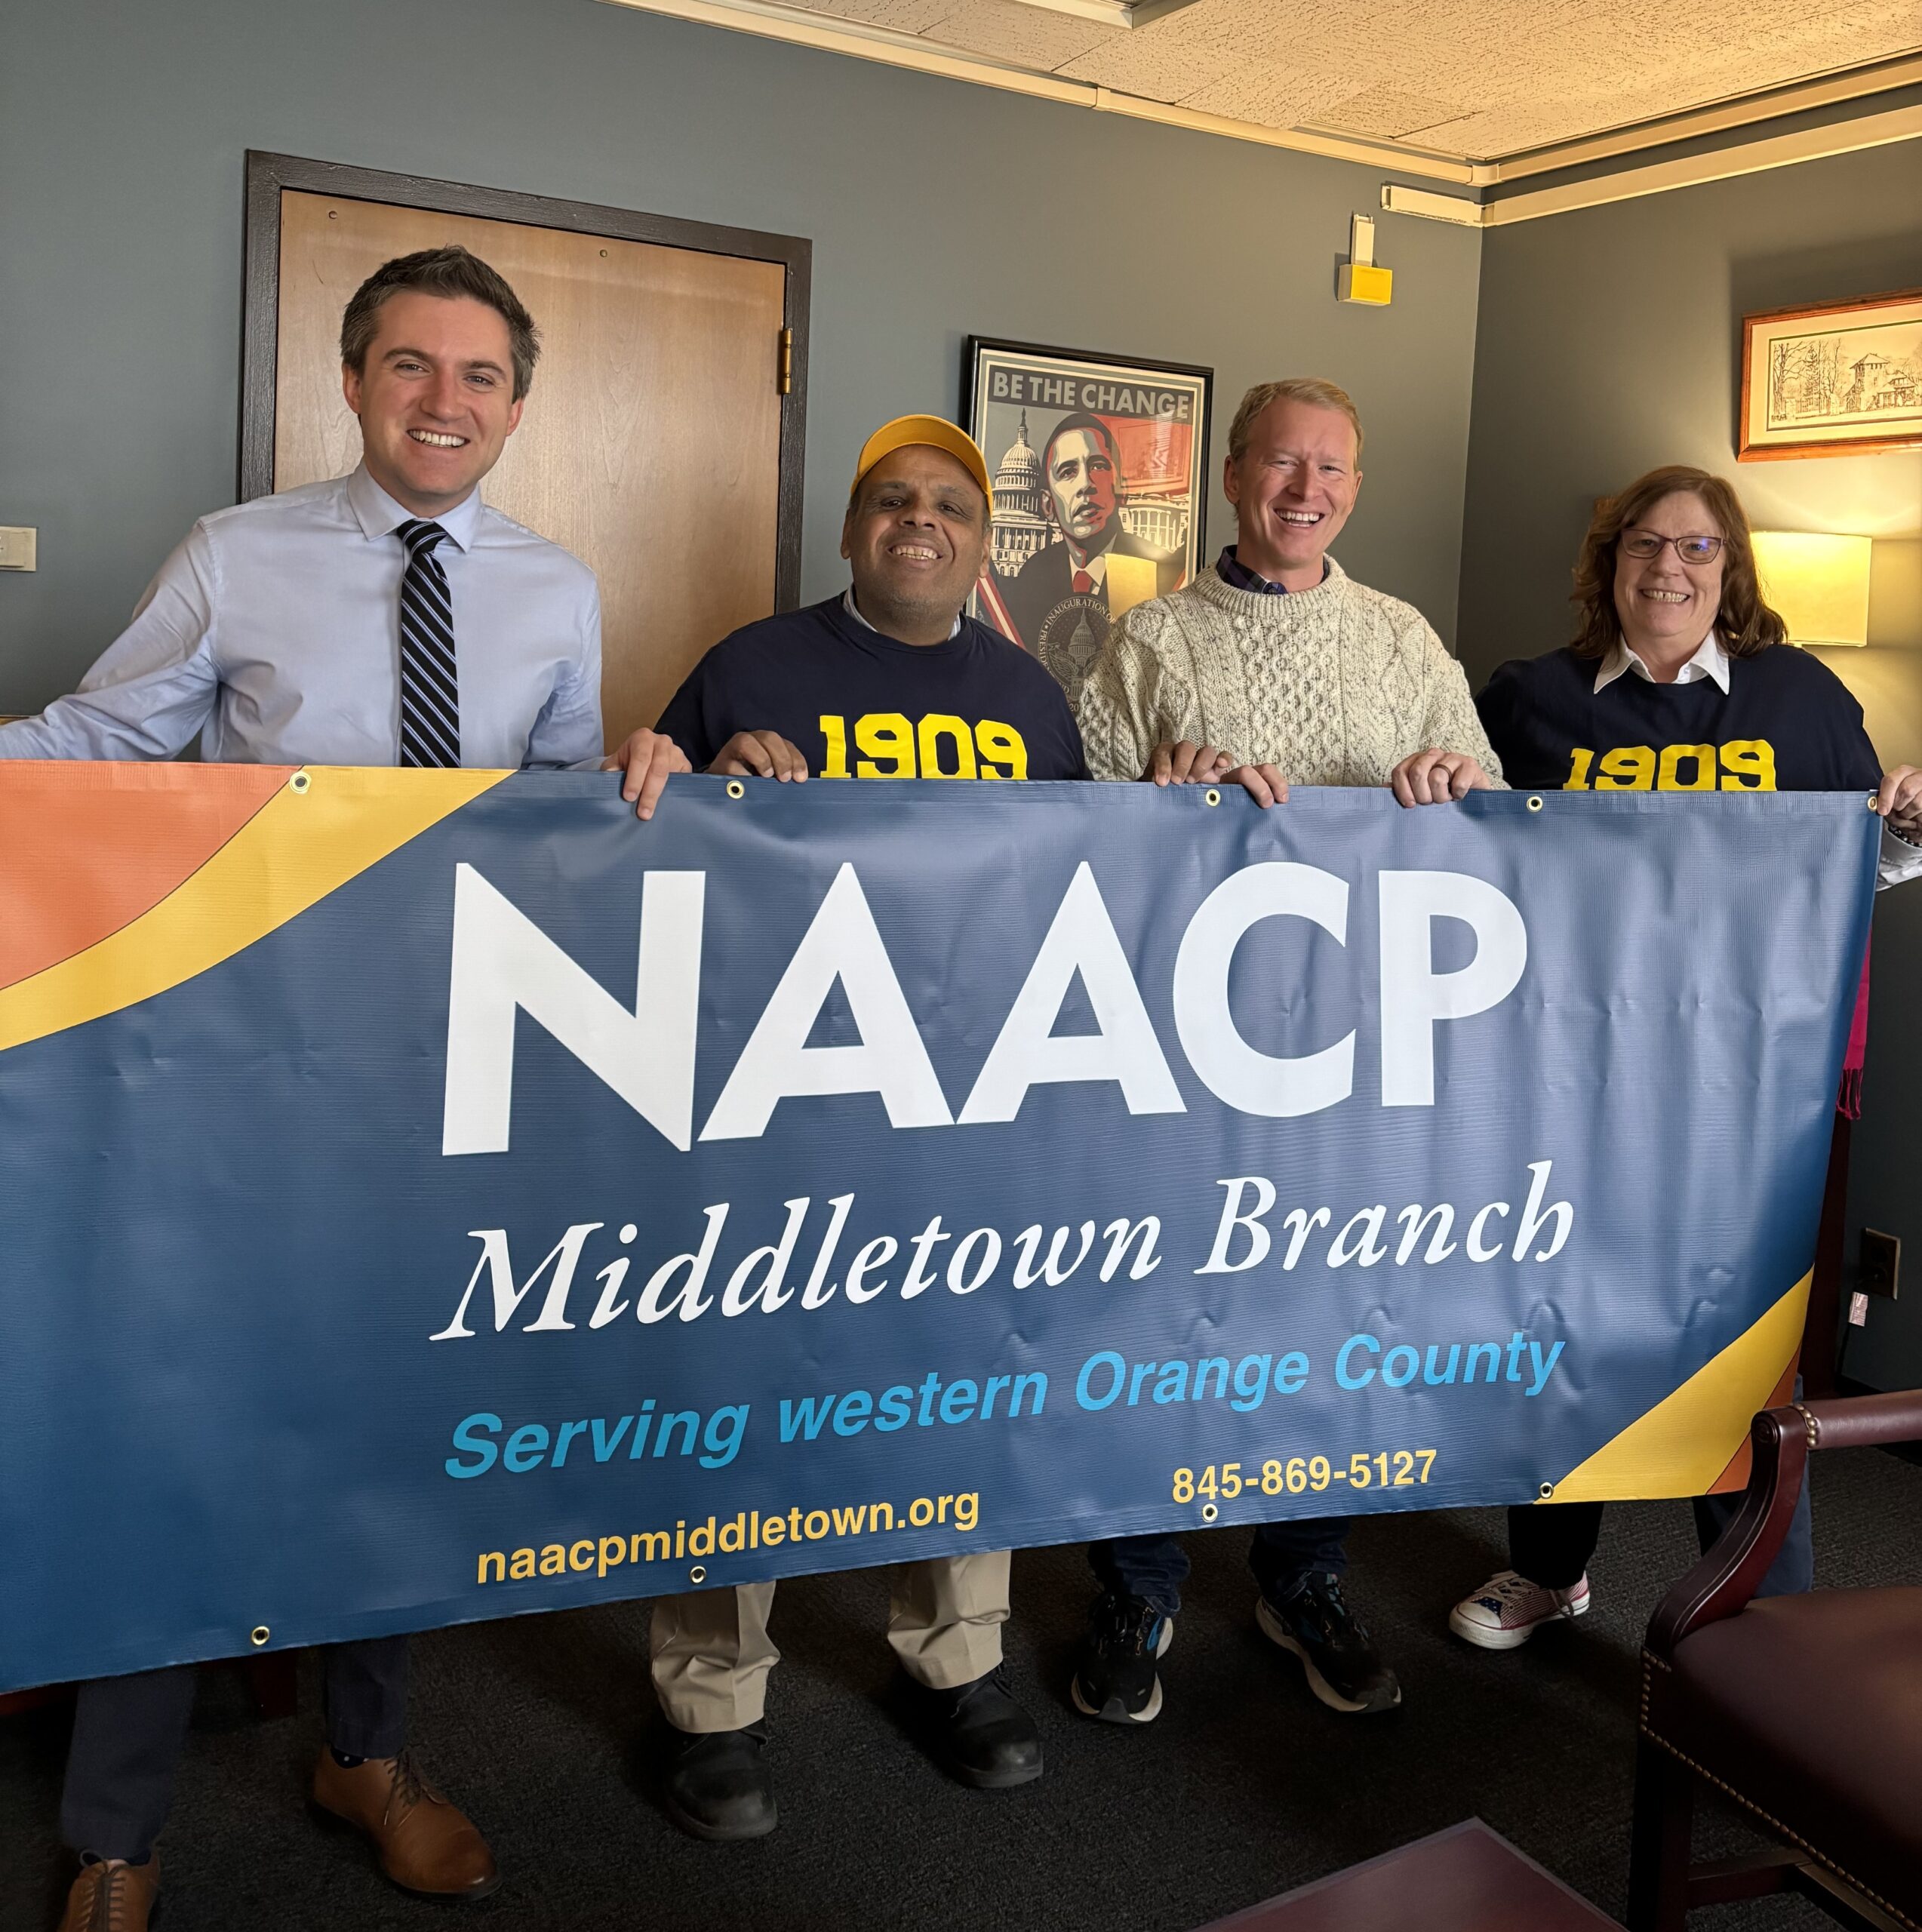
(299, 782)
(736, 789)
(1212, 796)
(1534, 804)
(1875, 799)
(698, 1574)
(1546, 1490)
(1209, 1513)
(259, 1635)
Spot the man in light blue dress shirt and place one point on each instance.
(387, 617)
(271, 629)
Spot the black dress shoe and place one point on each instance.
(979, 1734)
(720, 1788)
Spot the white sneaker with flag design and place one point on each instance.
(1507, 1610)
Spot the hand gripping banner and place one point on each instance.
(434, 1196)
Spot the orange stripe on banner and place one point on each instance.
(1692, 1439)
(86, 848)
(322, 828)
(1736, 1476)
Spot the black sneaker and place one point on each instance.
(719, 1788)
(1344, 1669)
(1115, 1675)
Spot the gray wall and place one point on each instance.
(1609, 342)
(931, 205)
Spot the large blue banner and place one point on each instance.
(426, 1197)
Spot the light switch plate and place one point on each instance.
(17, 548)
(1880, 1269)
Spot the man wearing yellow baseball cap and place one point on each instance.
(932, 432)
(891, 679)
(825, 691)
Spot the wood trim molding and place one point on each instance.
(1739, 111)
(269, 174)
(1851, 136)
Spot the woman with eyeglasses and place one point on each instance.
(1681, 679)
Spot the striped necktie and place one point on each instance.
(430, 684)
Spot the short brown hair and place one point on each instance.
(452, 273)
(1744, 624)
(1313, 390)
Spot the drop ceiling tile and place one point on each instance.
(1480, 78)
(1272, 96)
(1388, 113)
(1130, 63)
(1032, 36)
(903, 16)
(1208, 39)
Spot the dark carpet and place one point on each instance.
(545, 1730)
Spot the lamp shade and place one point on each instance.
(1818, 584)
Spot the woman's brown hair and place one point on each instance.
(1744, 624)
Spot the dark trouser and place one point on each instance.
(1550, 1543)
(128, 1733)
(1155, 1567)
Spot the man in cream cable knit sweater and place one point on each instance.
(1274, 665)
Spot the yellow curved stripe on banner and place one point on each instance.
(324, 827)
(1685, 1441)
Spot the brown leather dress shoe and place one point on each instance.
(111, 1895)
(425, 1845)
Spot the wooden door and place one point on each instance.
(651, 443)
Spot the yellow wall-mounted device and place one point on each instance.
(1360, 280)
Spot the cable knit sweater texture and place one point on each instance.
(1335, 685)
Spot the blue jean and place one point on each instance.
(128, 1732)
(1154, 1568)
(1550, 1543)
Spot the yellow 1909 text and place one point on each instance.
(892, 745)
(1743, 764)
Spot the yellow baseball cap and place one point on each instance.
(938, 433)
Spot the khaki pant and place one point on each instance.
(712, 1652)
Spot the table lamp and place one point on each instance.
(1818, 584)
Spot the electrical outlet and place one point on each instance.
(1879, 1269)
(17, 547)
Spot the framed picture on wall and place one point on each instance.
(1100, 465)
(1842, 379)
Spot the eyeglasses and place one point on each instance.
(1645, 544)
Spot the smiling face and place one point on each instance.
(915, 539)
(1667, 607)
(434, 396)
(1293, 489)
(1083, 487)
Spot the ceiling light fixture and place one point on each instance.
(1113, 13)
(1456, 208)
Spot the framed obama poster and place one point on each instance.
(1100, 468)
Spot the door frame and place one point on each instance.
(269, 174)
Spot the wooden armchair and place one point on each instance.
(1806, 1710)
